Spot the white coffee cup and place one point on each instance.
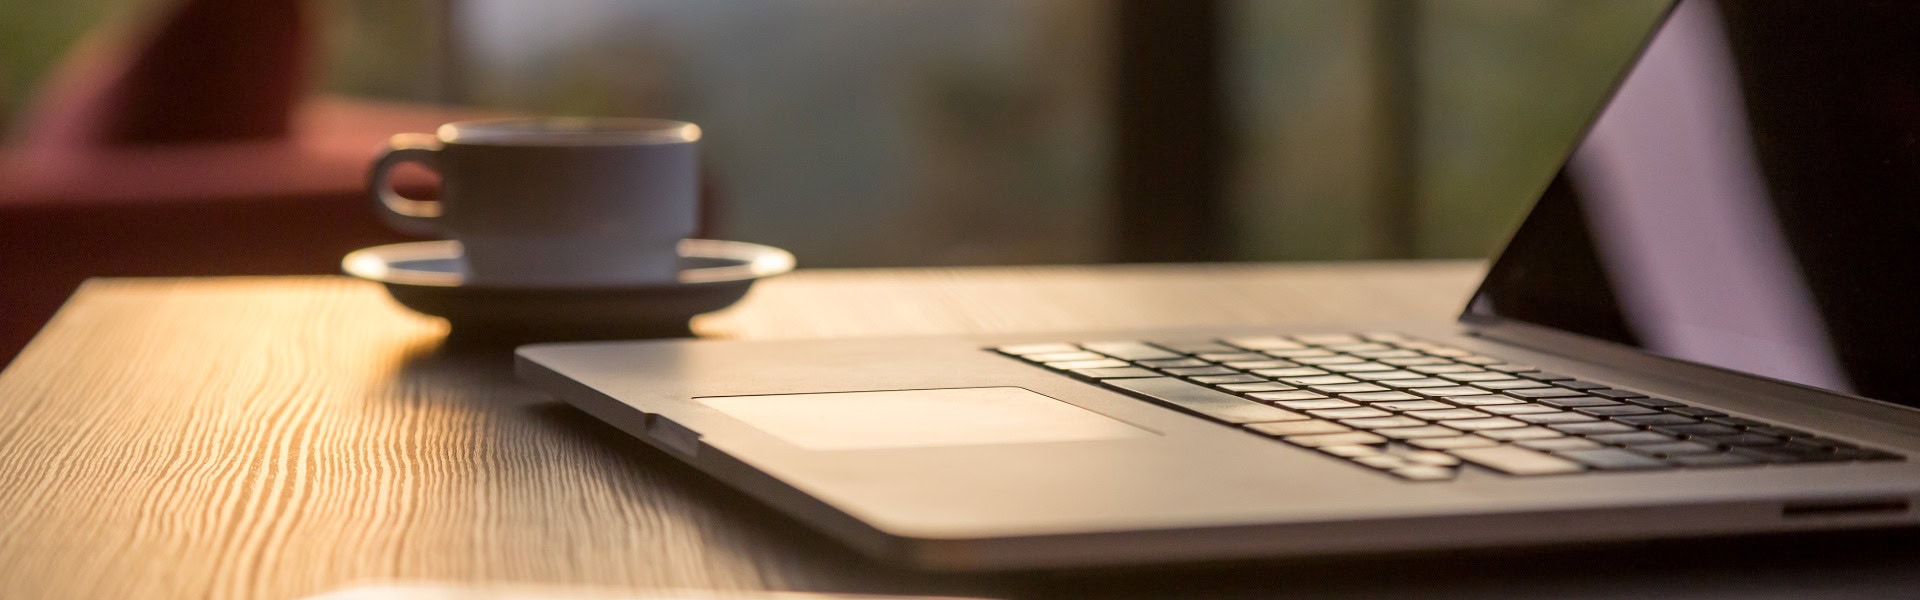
(553, 202)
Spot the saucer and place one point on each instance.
(425, 277)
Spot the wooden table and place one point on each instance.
(276, 437)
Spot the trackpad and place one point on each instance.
(919, 418)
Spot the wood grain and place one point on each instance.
(277, 437)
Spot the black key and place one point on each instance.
(1747, 440)
(1115, 373)
(1554, 418)
(1196, 347)
(1198, 371)
(1129, 350)
(1878, 455)
(1287, 395)
(1595, 428)
(1609, 459)
(1617, 411)
(1219, 406)
(1264, 386)
(1816, 452)
(1576, 402)
(1675, 448)
(1174, 363)
(1234, 356)
(1697, 429)
(1615, 394)
(1224, 379)
(1694, 411)
(1652, 402)
(1543, 393)
(1026, 349)
(1580, 385)
(1632, 438)
(1546, 376)
(1703, 461)
(1656, 419)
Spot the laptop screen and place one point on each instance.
(1748, 199)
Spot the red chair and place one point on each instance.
(189, 148)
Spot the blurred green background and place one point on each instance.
(882, 132)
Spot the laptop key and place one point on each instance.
(1262, 386)
(1551, 418)
(1412, 433)
(1198, 371)
(1322, 339)
(1429, 457)
(1741, 440)
(1115, 373)
(1511, 368)
(1412, 362)
(1297, 353)
(1697, 429)
(1546, 376)
(1361, 412)
(1560, 443)
(1594, 428)
(1421, 406)
(1513, 460)
(1523, 433)
(1229, 379)
(1221, 357)
(1483, 424)
(1098, 363)
(1580, 385)
(1612, 459)
(1385, 376)
(1286, 395)
(1321, 380)
(1474, 377)
(1315, 404)
(1615, 394)
(1063, 356)
(1439, 369)
(1548, 392)
(1129, 350)
(1328, 360)
(1358, 368)
(1292, 372)
(1511, 407)
(1422, 383)
(1335, 439)
(1287, 428)
(1633, 438)
(1453, 389)
(1216, 405)
(1439, 414)
(1695, 411)
(1511, 384)
(1449, 443)
(1255, 365)
(1351, 451)
(1174, 363)
(1576, 402)
(1383, 422)
(1656, 419)
(1379, 396)
(1652, 402)
(1346, 388)
(1624, 410)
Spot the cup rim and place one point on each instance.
(568, 131)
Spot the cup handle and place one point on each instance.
(408, 215)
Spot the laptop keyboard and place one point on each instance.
(1424, 411)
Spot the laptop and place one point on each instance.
(1708, 325)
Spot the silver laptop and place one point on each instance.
(1708, 325)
